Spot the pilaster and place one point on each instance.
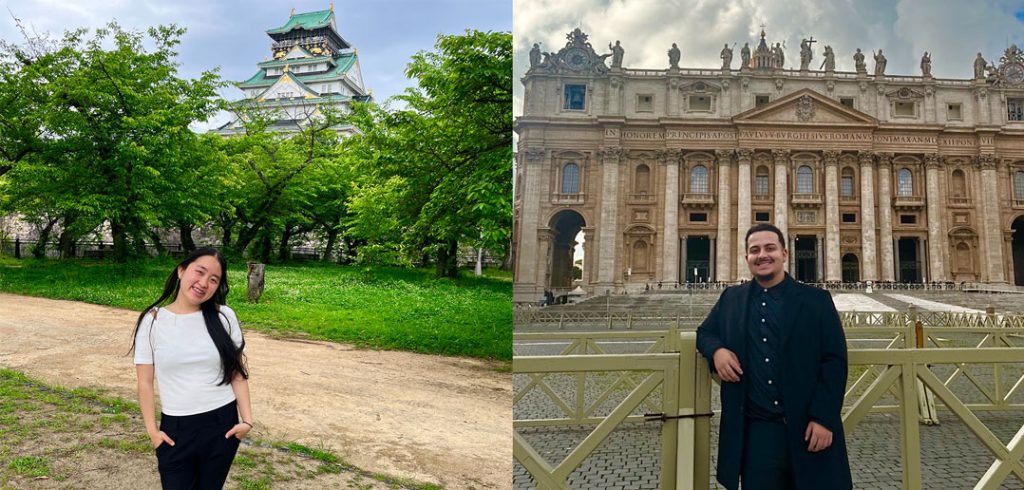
(723, 256)
(608, 225)
(670, 232)
(527, 278)
(743, 157)
(888, 266)
(833, 266)
(990, 219)
(782, 192)
(936, 230)
(869, 267)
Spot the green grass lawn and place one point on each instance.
(378, 307)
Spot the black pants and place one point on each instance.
(200, 457)
(766, 461)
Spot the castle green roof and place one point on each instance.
(344, 62)
(295, 61)
(308, 21)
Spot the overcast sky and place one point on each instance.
(231, 34)
(953, 31)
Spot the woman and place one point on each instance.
(194, 347)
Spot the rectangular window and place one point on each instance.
(761, 185)
(575, 97)
(699, 217)
(908, 219)
(1015, 109)
(760, 100)
(846, 186)
(700, 103)
(953, 112)
(847, 101)
(762, 216)
(903, 109)
(849, 217)
(645, 103)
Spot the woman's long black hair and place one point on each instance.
(232, 359)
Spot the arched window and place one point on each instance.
(959, 184)
(761, 181)
(571, 179)
(904, 183)
(804, 180)
(846, 182)
(699, 180)
(1018, 185)
(639, 256)
(642, 180)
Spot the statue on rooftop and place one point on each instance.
(726, 56)
(979, 67)
(745, 56)
(926, 65)
(830, 60)
(805, 53)
(673, 56)
(780, 56)
(858, 62)
(535, 55)
(617, 53)
(880, 62)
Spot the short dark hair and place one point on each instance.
(763, 227)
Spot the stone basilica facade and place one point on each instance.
(871, 176)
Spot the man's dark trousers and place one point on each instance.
(766, 461)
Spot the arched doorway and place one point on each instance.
(566, 228)
(1018, 250)
(851, 268)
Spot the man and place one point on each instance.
(778, 347)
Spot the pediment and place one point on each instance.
(805, 107)
(297, 53)
(287, 87)
(700, 87)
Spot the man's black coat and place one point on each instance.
(813, 381)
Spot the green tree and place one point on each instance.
(115, 142)
(451, 145)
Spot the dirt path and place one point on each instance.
(440, 419)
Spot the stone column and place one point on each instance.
(936, 229)
(782, 193)
(990, 214)
(888, 266)
(670, 233)
(743, 211)
(722, 244)
(869, 266)
(833, 267)
(527, 285)
(608, 227)
(546, 256)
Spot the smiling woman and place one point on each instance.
(194, 347)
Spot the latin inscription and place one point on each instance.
(804, 136)
(904, 138)
(961, 142)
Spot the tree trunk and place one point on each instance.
(448, 260)
(185, 231)
(117, 230)
(255, 281)
(39, 249)
(225, 241)
(282, 251)
(332, 237)
(153, 235)
(263, 249)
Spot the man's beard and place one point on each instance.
(767, 277)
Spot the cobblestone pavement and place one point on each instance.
(952, 457)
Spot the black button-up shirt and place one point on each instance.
(764, 335)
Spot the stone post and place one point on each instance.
(869, 266)
(608, 227)
(936, 230)
(782, 193)
(670, 235)
(722, 245)
(255, 279)
(526, 285)
(990, 219)
(743, 210)
(885, 215)
(833, 268)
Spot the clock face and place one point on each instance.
(576, 58)
(1014, 73)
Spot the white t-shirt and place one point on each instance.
(187, 364)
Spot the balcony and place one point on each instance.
(1018, 204)
(558, 198)
(805, 200)
(908, 202)
(761, 198)
(698, 200)
(959, 202)
(848, 199)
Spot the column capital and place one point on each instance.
(744, 155)
(781, 156)
(611, 154)
(986, 162)
(725, 157)
(932, 160)
(867, 158)
(668, 156)
(831, 157)
(884, 159)
(534, 154)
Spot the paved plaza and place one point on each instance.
(952, 456)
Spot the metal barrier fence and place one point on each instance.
(905, 369)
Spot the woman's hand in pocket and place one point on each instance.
(158, 438)
(240, 430)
